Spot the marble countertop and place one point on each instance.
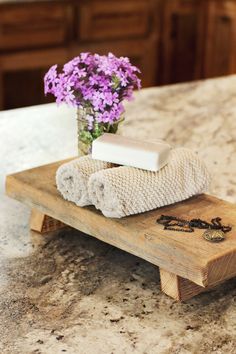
(67, 292)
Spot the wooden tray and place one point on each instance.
(188, 263)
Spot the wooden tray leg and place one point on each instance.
(43, 223)
(177, 287)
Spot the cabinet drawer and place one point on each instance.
(34, 25)
(105, 19)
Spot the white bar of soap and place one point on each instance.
(121, 150)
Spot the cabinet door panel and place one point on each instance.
(103, 19)
(17, 92)
(220, 51)
(182, 32)
(34, 25)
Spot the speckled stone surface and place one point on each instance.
(69, 293)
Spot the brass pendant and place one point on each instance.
(214, 235)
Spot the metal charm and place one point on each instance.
(214, 235)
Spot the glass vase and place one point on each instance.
(86, 134)
(84, 138)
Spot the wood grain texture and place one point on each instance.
(98, 21)
(1, 91)
(182, 37)
(177, 287)
(50, 25)
(169, 40)
(186, 255)
(43, 223)
(220, 49)
(61, 30)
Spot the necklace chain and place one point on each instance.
(174, 223)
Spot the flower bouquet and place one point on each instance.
(96, 85)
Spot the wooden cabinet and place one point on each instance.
(220, 46)
(35, 35)
(169, 40)
(101, 20)
(33, 25)
(182, 36)
(198, 39)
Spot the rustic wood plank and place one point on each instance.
(43, 223)
(186, 255)
(177, 287)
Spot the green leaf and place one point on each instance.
(116, 82)
(86, 137)
(97, 131)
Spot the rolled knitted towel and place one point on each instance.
(124, 191)
(72, 178)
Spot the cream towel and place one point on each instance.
(125, 190)
(72, 178)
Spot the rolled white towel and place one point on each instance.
(72, 178)
(124, 191)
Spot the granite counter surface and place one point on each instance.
(67, 292)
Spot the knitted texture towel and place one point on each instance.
(72, 178)
(123, 191)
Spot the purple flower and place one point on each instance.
(100, 82)
(90, 120)
(110, 98)
(50, 80)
